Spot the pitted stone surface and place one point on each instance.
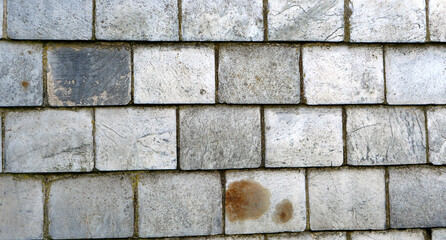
(48, 141)
(306, 20)
(303, 137)
(436, 122)
(389, 235)
(89, 75)
(180, 204)
(174, 74)
(220, 137)
(222, 20)
(135, 138)
(437, 21)
(344, 199)
(50, 19)
(341, 74)
(439, 234)
(259, 74)
(21, 80)
(309, 236)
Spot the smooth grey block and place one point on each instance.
(309, 236)
(439, 234)
(389, 235)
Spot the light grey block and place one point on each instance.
(437, 21)
(389, 235)
(1, 20)
(259, 74)
(309, 236)
(439, 234)
(436, 125)
(239, 237)
(220, 137)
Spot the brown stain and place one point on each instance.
(25, 84)
(258, 78)
(284, 211)
(246, 199)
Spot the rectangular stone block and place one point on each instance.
(306, 20)
(257, 74)
(174, 74)
(309, 236)
(220, 137)
(436, 125)
(347, 199)
(50, 19)
(303, 137)
(135, 138)
(239, 237)
(91, 206)
(265, 201)
(389, 235)
(439, 234)
(415, 74)
(180, 204)
(48, 141)
(21, 208)
(222, 20)
(437, 11)
(87, 75)
(137, 20)
(21, 81)
(417, 197)
(341, 74)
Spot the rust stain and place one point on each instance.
(284, 211)
(25, 84)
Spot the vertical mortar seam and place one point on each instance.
(347, 14)
(307, 199)
(5, 18)
(216, 65)
(135, 182)
(177, 119)
(46, 195)
(386, 189)
(265, 20)
(262, 138)
(180, 23)
(132, 74)
(2, 139)
(223, 200)
(428, 32)
(45, 102)
(426, 129)
(344, 136)
(384, 74)
(303, 99)
(93, 27)
(93, 116)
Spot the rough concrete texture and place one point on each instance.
(439, 234)
(222, 20)
(147, 140)
(50, 19)
(21, 82)
(154, 20)
(343, 199)
(88, 75)
(91, 206)
(220, 137)
(417, 197)
(48, 141)
(386, 136)
(309, 236)
(387, 21)
(246, 71)
(306, 20)
(389, 235)
(303, 137)
(437, 11)
(174, 74)
(21, 208)
(342, 74)
(180, 204)
(265, 201)
(415, 74)
(436, 125)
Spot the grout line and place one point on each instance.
(307, 201)
(385, 74)
(344, 136)
(303, 99)
(135, 182)
(46, 184)
(217, 65)
(426, 129)
(428, 234)
(262, 137)
(265, 20)
(223, 201)
(177, 113)
(4, 18)
(93, 116)
(2, 141)
(45, 102)
(348, 235)
(428, 32)
(132, 74)
(386, 180)
(180, 20)
(347, 14)
(93, 27)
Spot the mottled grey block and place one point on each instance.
(389, 235)
(415, 74)
(387, 21)
(436, 125)
(306, 20)
(180, 204)
(21, 80)
(50, 19)
(341, 74)
(135, 138)
(417, 197)
(309, 236)
(303, 137)
(222, 20)
(259, 74)
(437, 21)
(21, 208)
(347, 199)
(439, 234)
(220, 137)
(153, 20)
(88, 75)
(174, 74)
(48, 141)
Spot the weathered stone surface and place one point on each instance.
(222, 20)
(388, 21)
(309, 236)
(91, 206)
(439, 234)
(265, 201)
(417, 197)
(436, 125)
(1, 142)
(437, 21)
(240, 237)
(259, 74)
(180, 204)
(220, 137)
(88, 76)
(174, 74)
(415, 74)
(341, 74)
(137, 20)
(50, 19)
(389, 235)
(306, 20)
(343, 199)
(385, 136)
(21, 80)
(1, 20)
(48, 141)
(135, 138)
(303, 137)
(21, 208)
